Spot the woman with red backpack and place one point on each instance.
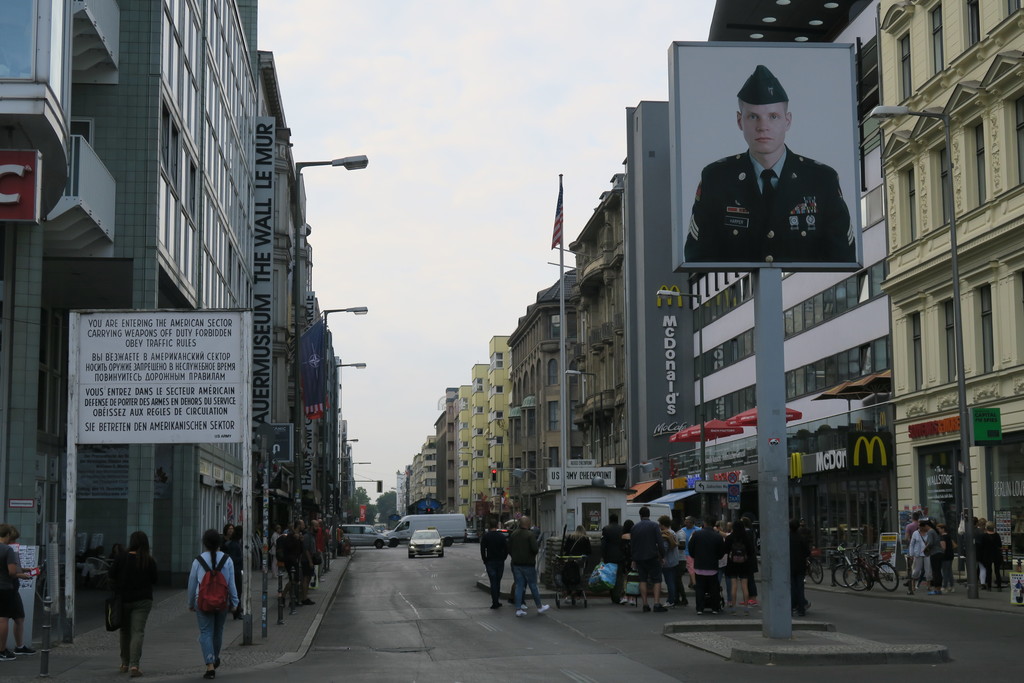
(211, 595)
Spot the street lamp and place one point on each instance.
(700, 384)
(298, 225)
(325, 474)
(889, 112)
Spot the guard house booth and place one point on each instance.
(587, 505)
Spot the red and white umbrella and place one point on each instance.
(748, 418)
(713, 429)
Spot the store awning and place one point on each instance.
(673, 497)
(641, 488)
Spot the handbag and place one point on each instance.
(112, 612)
(632, 584)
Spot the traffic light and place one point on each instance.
(380, 486)
(494, 474)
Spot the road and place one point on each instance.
(400, 619)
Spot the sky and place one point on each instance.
(468, 111)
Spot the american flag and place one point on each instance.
(556, 237)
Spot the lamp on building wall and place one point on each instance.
(967, 494)
(352, 163)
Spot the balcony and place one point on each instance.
(95, 48)
(82, 222)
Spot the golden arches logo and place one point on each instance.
(869, 444)
(796, 465)
(668, 298)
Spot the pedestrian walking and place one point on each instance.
(11, 607)
(648, 559)
(627, 562)
(799, 552)
(739, 566)
(670, 565)
(920, 569)
(211, 595)
(494, 552)
(232, 545)
(948, 552)
(308, 560)
(134, 574)
(707, 547)
(990, 556)
(611, 553)
(523, 548)
(688, 528)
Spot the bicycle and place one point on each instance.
(815, 568)
(863, 575)
(839, 563)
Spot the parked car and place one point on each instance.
(426, 542)
(472, 536)
(364, 535)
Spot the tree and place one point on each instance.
(360, 497)
(387, 505)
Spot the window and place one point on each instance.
(915, 351)
(988, 356)
(497, 360)
(1019, 106)
(950, 342)
(1012, 6)
(945, 189)
(979, 161)
(906, 82)
(911, 204)
(553, 416)
(555, 327)
(938, 60)
(552, 372)
(553, 456)
(973, 22)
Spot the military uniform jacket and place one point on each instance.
(808, 222)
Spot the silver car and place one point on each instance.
(426, 542)
(364, 535)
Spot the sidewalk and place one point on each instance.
(987, 600)
(171, 647)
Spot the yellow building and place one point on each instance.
(962, 60)
(497, 422)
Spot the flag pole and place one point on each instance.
(563, 448)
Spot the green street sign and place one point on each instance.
(988, 426)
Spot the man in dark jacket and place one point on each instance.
(799, 551)
(706, 548)
(611, 553)
(648, 556)
(494, 551)
(523, 548)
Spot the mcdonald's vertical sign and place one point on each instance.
(796, 465)
(870, 451)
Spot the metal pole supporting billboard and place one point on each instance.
(772, 468)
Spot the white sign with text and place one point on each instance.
(160, 376)
(579, 476)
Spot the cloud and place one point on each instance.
(468, 111)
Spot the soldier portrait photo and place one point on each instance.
(768, 204)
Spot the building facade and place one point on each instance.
(535, 414)
(599, 352)
(963, 60)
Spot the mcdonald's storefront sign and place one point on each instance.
(870, 451)
(865, 452)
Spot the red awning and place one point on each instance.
(642, 487)
(748, 418)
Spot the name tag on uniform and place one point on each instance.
(737, 217)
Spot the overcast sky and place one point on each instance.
(468, 111)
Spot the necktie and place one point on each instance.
(767, 189)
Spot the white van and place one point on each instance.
(451, 527)
(657, 510)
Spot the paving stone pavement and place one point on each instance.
(171, 647)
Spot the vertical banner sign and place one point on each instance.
(263, 270)
(160, 376)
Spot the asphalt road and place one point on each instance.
(401, 619)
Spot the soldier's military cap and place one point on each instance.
(762, 88)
